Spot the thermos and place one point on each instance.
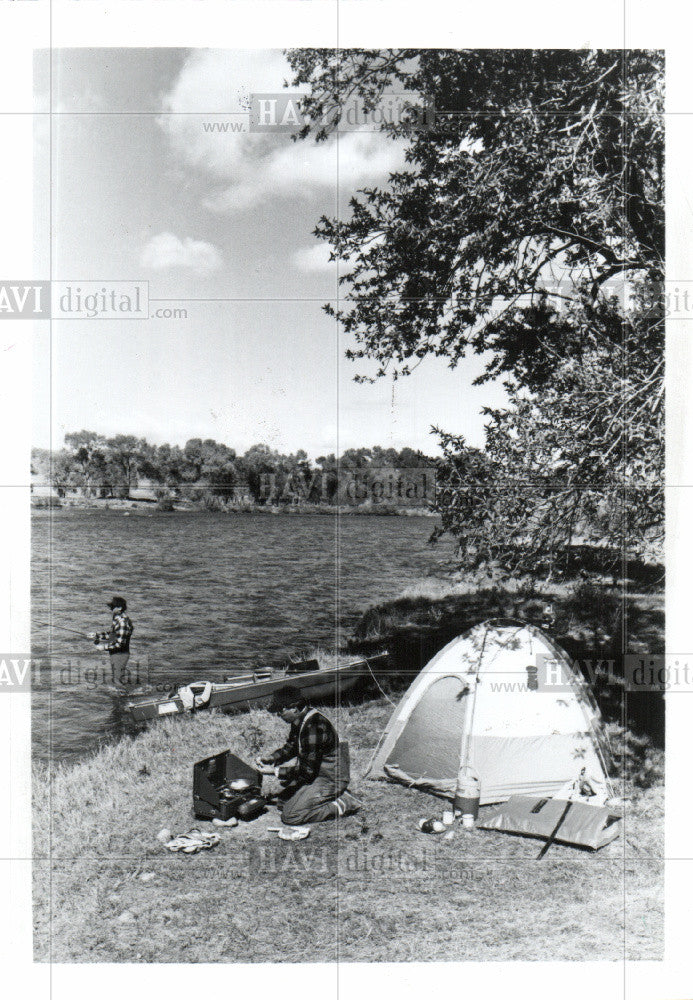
(467, 794)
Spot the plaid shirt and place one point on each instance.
(117, 639)
(308, 743)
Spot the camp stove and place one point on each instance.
(224, 786)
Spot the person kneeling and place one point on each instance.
(316, 785)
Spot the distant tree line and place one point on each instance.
(207, 471)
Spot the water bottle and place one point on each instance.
(467, 795)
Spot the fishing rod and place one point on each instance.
(63, 628)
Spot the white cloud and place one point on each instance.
(168, 251)
(245, 169)
(314, 258)
(317, 257)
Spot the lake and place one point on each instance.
(209, 594)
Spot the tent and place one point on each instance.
(504, 701)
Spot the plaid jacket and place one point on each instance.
(117, 639)
(309, 742)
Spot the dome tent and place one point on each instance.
(504, 701)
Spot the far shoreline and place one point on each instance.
(44, 505)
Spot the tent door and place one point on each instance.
(429, 744)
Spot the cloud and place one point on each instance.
(168, 251)
(243, 169)
(314, 258)
(300, 169)
(317, 257)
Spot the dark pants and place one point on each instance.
(314, 803)
(119, 662)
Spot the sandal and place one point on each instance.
(192, 842)
(290, 832)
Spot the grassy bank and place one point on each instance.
(372, 888)
(606, 618)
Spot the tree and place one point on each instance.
(163, 465)
(219, 468)
(356, 458)
(541, 159)
(86, 462)
(559, 473)
(259, 462)
(527, 225)
(125, 454)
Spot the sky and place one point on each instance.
(219, 224)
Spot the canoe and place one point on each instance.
(244, 689)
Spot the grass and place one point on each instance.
(372, 888)
(585, 612)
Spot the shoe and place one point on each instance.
(347, 804)
(431, 826)
(225, 822)
(294, 832)
(192, 842)
(290, 832)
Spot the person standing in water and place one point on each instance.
(116, 641)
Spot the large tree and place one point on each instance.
(126, 455)
(527, 225)
(537, 160)
(85, 463)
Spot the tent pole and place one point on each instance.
(466, 744)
